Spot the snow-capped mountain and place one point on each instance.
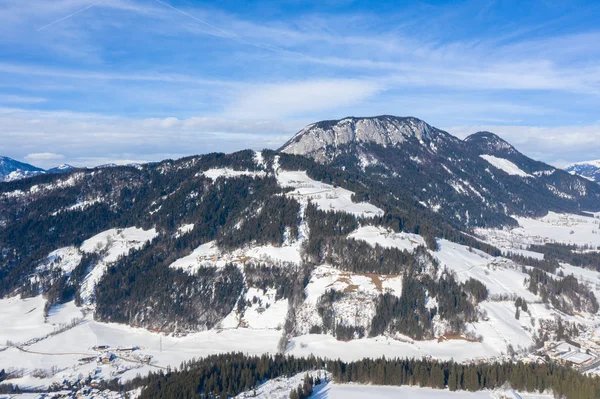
(321, 140)
(64, 168)
(361, 238)
(588, 169)
(11, 169)
(473, 181)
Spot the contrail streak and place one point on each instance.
(69, 16)
(229, 35)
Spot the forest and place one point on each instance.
(226, 375)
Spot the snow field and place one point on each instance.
(375, 235)
(505, 165)
(111, 244)
(22, 320)
(229, 173)
(553, 228)
(264, 312)
(500, 276)
(356, 391)
(324, 196)
(62, 352)
(66, 259)
(209, 255)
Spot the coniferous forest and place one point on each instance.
(223, 376)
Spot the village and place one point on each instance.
(582, 354)
(107, 364)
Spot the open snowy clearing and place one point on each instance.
(375, 235)
(111, 244)
(505, 165)
(264, 311)
(66, 259)
(325, 196)
(553, 228)
(326, 277)
(63, 352)
(356, 391)
(500, 276)
(228, 173)
(209, 255)
(22, 319)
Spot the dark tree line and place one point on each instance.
(226, 375)
(571, 254)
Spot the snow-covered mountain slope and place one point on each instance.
(589, 169)
(11, 170)
(268, 251)
(473, 181)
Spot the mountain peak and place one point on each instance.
(64, 168)
(490, 143)
(11, 169)
(588, 169)
(317, 139)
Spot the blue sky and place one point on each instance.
(88, 82)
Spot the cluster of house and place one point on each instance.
(581, 353)
(85, 392)
(108, 354)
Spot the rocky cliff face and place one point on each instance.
(321, 140)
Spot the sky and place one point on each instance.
(89, 82)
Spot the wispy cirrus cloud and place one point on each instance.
(196, 77)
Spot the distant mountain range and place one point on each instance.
(11, 170)
(588, 169)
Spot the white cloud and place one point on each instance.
(44, 156)
(88, 139)
(44, 159)
(299, 98)
(8, 98)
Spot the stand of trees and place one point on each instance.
(409, 315)
(570, 254)
(226, 375)
(566, 294)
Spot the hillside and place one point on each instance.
(392, 238)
